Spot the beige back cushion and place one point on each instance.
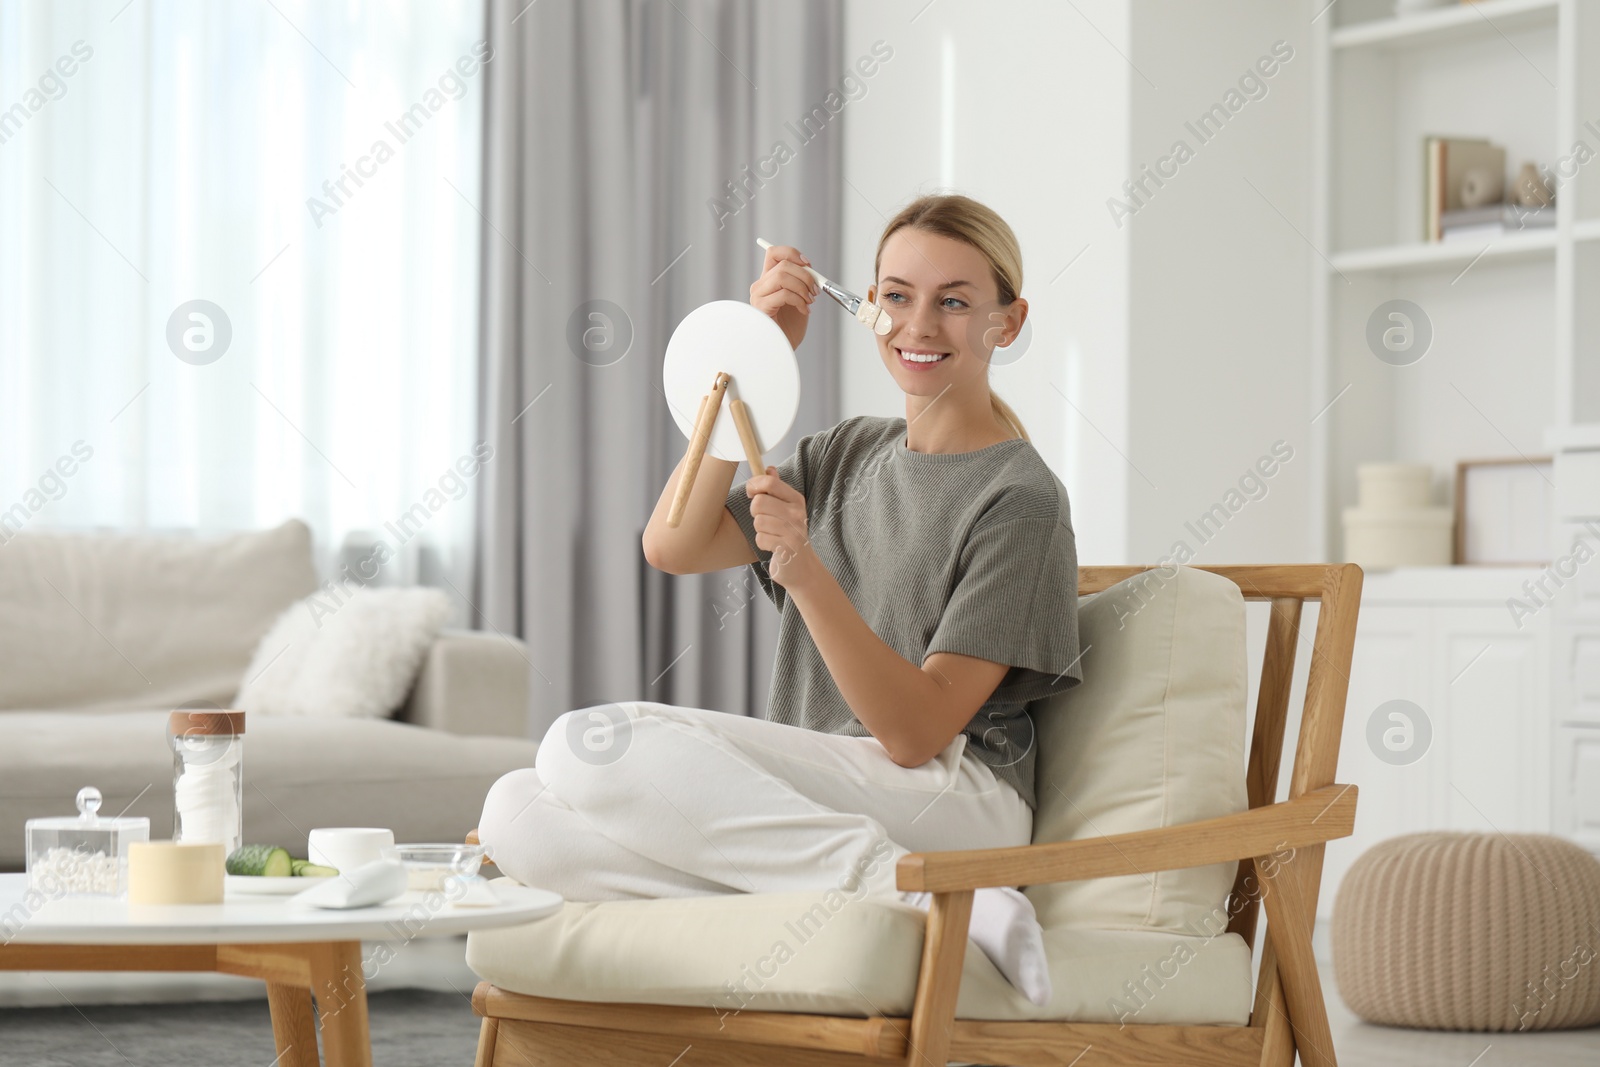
(120, 621)
(1152, 737)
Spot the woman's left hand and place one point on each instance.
(779, 514)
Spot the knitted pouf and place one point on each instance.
(1470, 931)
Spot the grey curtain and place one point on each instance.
(630, 163)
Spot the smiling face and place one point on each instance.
(942, 296)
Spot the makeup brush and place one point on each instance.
(868, 314)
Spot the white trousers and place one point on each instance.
(646, 800)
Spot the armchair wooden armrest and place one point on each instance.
(1317, 816)
(1314, 817)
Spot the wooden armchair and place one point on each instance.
(1288, 1016)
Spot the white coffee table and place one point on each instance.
(299, 952)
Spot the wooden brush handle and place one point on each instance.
(705, 419)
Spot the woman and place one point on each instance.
(925, 570)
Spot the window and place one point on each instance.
(239, 271)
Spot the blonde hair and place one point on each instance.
(964, 219)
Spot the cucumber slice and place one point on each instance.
(271, 861)
(307, 869)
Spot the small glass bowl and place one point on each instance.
(429, 865)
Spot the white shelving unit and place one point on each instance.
(1513, 368)
(1395, 259)
(1514, 349)
(1445, 24)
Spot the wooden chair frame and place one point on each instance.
(1288, 1016)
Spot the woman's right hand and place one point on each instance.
(785, 291)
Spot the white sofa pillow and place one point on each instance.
(352, 657)
(1152, 737)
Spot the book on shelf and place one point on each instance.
(1447, 162)
(1494, 220)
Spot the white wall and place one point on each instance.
(1172, 353)
(1028, 113)
(1220, 283)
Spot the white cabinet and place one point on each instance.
(1491, 690)
(1447, 722)
(1577, 784)
(1391, 663)
(1575, 763)
(1574, 580)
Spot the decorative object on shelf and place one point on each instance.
(1394, 523)
(1531, 189)
(1454, 170)
(1502, 511)
(1495, 220)
(1481, 186)
(83, 854)
(1415, 909)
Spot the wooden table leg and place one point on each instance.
(332, 971)
(341, 992)
(294, 1027)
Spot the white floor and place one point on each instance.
(437, 963)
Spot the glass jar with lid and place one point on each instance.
(84, 854)
(207, 776)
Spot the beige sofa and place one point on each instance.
(102, 635)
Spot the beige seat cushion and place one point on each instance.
(788, 952)
(141, 620)
(298, 774)
(1154, 736)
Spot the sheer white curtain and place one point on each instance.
(312, 170)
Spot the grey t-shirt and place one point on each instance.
(966, 552)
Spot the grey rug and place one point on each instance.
(410, 1028)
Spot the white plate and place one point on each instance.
(262, 885)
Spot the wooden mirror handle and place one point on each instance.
(705, 419)
(747, 436)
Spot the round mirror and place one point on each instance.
(732, 336)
